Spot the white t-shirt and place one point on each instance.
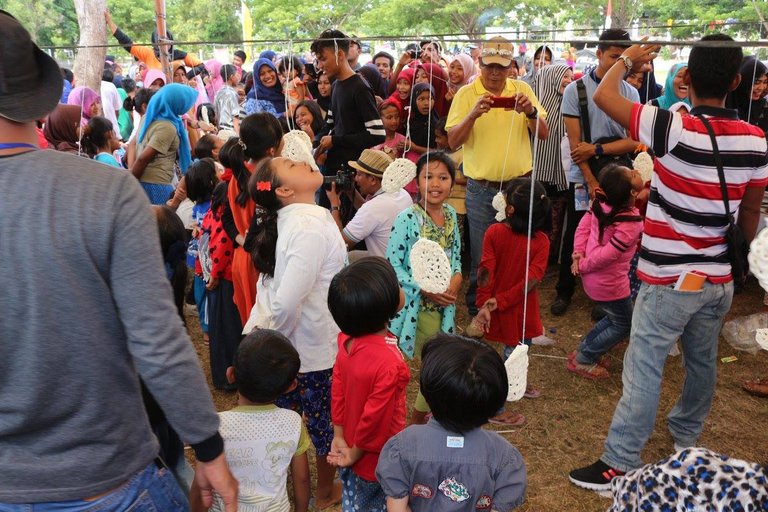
(259, 442)
(309, 252)
(110, 102)
(373, 221)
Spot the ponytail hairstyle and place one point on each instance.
(210, 113)
(261, 240)
(141, 97)
(201, 180)
(219, 200)
(258, 134)
(96, 135)
(615, 191)
(518, 196)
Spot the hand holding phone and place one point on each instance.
(503, 101)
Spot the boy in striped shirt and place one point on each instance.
(684, 233)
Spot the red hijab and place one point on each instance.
(406, 74)
(439, 83)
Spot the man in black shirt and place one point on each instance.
(353, 123)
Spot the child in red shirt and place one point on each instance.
(224, 325)
(501, 275)
(369, 377)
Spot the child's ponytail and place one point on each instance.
(518, 196)
(615, 191)
(261, 240)
(96, 135)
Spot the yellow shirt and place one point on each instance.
(486, 146)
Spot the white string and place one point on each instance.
(429, 133)
(530, 217)
(749, 92)
(288, 67)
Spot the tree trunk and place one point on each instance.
(624, 13)
(89, 62)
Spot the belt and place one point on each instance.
(490, 184)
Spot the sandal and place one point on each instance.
(531, 392)
(757, 387)
(604, 362)
(588, 371)
(473, 330)
(508, 419)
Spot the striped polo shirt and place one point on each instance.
(685, 222)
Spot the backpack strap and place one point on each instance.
(586, 135)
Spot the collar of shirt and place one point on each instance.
(707, 110)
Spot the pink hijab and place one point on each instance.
(84, 98)
(468, 65)
(152, 75)
(215, 81)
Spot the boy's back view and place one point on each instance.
(261, 440)
(451, 464)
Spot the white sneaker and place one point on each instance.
(543, 340)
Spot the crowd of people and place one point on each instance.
(269, 185)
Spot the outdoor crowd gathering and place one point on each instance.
(359, 250)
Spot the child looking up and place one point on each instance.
(262, 441)
(394, 142)
(501, 275)
(605, 242)
(369, 377)
(451, 463)
(297, 247)
(432, 218)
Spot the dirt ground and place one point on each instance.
(567, 425)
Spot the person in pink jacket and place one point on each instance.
(605, 241)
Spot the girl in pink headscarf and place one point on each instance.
(154, 79)
(460, 71)
(89, 102)
(214, 81)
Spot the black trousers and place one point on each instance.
(224, 331)
(566, 281)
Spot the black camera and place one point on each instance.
(344, 180)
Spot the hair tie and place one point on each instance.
(600, 193)
(542, 196)
(264, 186)
(242, 144)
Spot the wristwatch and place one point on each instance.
(599, 149)
(533, 113)
(627, 61)
(334, 208)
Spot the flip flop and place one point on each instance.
(757, 387)
(604, 362)
(508, 419)
(531, 392)
(594, 372)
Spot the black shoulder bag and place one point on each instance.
(597, 163)
(737, 244)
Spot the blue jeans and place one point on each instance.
(149, 490)
(480, 215)
(663, 314)
(610, 330)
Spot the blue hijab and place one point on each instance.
(168, 104)
(668, 98)
(273, 94)
(268, 54)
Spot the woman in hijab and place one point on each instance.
(161, 136)
(89, 102)
(402, 95)
(214, 82)
(460, 71)
(154, 79)
(61, 128)
(649, 90)
(749, 97)
(552, 81)
(675, 90)
(321, 91)
(267, 92)
(438, 79)
(371, 74)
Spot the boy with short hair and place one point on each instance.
(261, 440)
(451, 463)
(227, 102)
(684, 236)
(353, 123)
(369, 377)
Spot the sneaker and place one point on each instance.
(596, 477)
(543, 340)
(560, 305)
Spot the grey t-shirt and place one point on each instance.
(600, 125)
(87, 308)
(441, 470)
